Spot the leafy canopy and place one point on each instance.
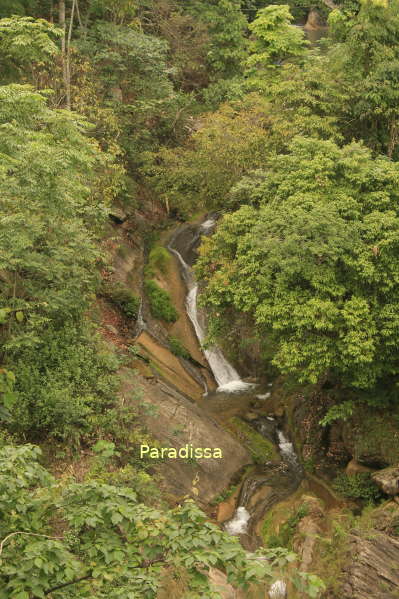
(107, 544)
(314, 259)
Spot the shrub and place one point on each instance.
(125, 299)
(178, 349)
(160, 302)
(63, 385)
(358, 486)
(159, 258)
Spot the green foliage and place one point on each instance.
(178, 348)
(227, 145)
(7, 394)
(226, 25)
(341, 411)
(62, 385)
(160, 303)
(287, 529)
(48, 214)
(159, 259)
(366, 57)
(275, 38)
(25, 41)
(111, 544)
(124, 298)
(313, 261)
(358, 486)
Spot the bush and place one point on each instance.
(125, 299)
(159, 259)
(358, 486)
(178, 349)
(63, 385)
(160, 302)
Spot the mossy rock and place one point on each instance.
(260, 448)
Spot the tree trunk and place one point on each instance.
(62, 24)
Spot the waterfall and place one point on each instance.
(238, 525)
(226, 376)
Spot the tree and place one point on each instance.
(274, 38)
(364, 64)
(314, 261)
(107, 544)
(226, 26)
(225, 146)
(24, 42)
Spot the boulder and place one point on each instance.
(353, 467)
(372, 570)
(388, 480)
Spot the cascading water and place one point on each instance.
(226, 376)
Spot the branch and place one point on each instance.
(144, 564)
(20, 532)
(66, 584)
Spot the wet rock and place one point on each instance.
(373, 567)
(388, 480)
(174, 421)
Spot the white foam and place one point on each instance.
(235, 386)
(278, 590)
(286, 447)
(208, 224)
(264, 396)
(238, 525)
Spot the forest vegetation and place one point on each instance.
(218, 106)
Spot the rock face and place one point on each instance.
(388, 480)
(373, 568)
(174, 421)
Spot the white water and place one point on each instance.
(278, 590)
(225, 374)
(238, 525)
(287, 449)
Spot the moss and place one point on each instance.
(178, 349)
(260, 448)
(283, 537)
(160, 302)
(159, 259)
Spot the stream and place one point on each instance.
(270, 482)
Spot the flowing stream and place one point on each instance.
(225, 374)
(269, 482)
